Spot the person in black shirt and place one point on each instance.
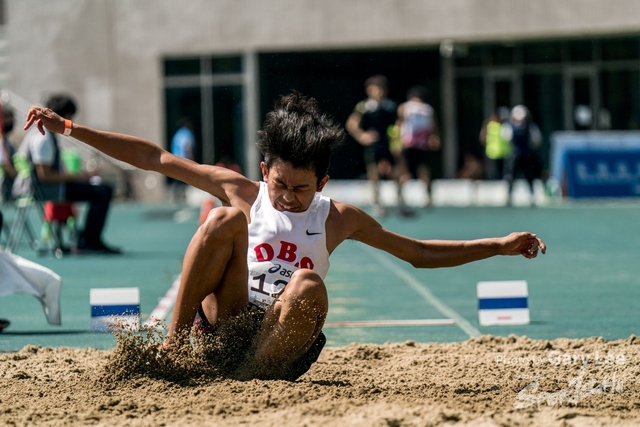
(55, 183)
(368, 125)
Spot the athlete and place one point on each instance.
(269, 243)
(369, 124)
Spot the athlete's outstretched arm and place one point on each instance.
(439, 253)
(143, 154)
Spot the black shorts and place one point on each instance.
(414, 157)
(299, 366)
(376, 152)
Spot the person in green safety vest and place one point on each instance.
(496, 143)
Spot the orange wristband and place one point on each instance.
(67, 127)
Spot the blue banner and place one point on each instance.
(603, 173)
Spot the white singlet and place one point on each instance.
(283, 242)
(417, 125)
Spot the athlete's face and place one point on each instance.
(291, 189)
(376, 92)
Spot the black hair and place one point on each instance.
(419, 92)
(184, 122)
(62, 105)
(298, 133)
(377, 80)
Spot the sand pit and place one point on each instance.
(488, 381)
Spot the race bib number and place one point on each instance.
(267, 281)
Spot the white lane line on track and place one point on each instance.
(426, 293)
(165, 304)
(381, 323)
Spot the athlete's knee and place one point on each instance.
(306, 284)
(224, 222)
(307, 278)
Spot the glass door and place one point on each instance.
(210, 92)
(228, 125)
(503, 88)
(184, 104)
(581, 100)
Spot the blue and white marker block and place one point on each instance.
(114, 308)
(503, 303)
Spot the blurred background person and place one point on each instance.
(471, 166)
(526, 138)
(55, 183)
(368, 125)
(496, 140)
(182, 144)
(4, 323)
(7, 150)
(419, 134)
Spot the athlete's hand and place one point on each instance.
(434, 142)
(44, 118)
(522, 243)
(368, 137)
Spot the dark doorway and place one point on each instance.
(184, 103)
(336, 80)
(227, 125)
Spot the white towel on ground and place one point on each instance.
(21, 276)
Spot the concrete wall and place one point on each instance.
(107, 53)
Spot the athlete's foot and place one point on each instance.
(167, 348)
(406, 212)
(98, 248)
(162, 352)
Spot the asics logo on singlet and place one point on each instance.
(311, 234)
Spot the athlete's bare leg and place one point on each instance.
(401, 176)
(425, 175)
(373, 175)
(214, 271)
(291, 324)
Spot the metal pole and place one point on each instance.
(449, 129)
(251, 106)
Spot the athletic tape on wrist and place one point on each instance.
(68, 124)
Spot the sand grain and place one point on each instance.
(478, 382)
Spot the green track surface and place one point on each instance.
(588, 284)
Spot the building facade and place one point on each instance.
(137, 66)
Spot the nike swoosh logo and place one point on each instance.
(311, 234)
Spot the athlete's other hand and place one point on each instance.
(369, 137)
(434, 142)
(44, 118)
(523, 243)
